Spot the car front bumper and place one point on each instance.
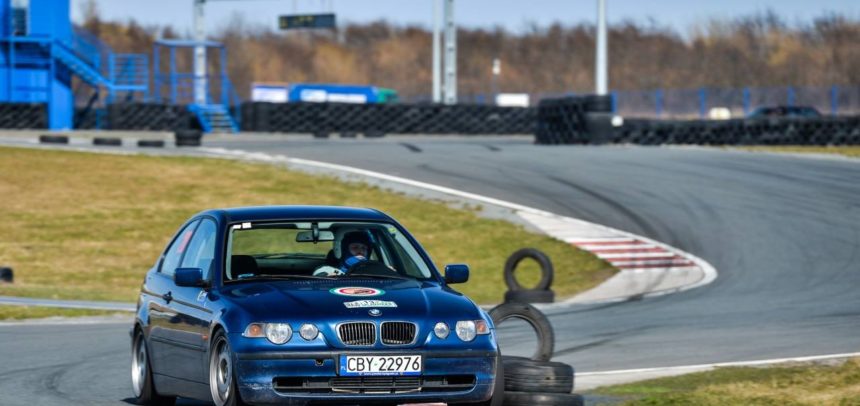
(300, 378)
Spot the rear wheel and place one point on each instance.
(222, 376)
(141, 375)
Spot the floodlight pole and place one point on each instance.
(450, 54)
(602, 62)
(437, 54)
(200, 79)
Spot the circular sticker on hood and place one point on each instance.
(357, 291)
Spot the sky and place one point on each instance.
(513, 15)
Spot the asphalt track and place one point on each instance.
(783, 232)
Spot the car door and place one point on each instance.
(189, 305)
(161, 314)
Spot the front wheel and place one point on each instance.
(498, 398)
(222, 376)
(141, 375)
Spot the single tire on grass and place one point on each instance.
(54, 139)
(526, 375)
(6, 275)
(514, 260)
(150, 143)
(540, 399)
(533, 316)
(105, 141)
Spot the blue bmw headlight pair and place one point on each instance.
(466, 330)
(280, 333)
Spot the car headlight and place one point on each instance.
(466, 330)
(309, 331)
(441, 330)
(278, 333)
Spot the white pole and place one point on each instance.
(602, 60)
(437, 54)
(450, 54)
(200, 85)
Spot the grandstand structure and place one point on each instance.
(46, 60)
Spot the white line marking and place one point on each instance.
(724, 364)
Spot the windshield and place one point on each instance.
(321, 250)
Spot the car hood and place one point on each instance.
(350, 299)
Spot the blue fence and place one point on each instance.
(697, 103)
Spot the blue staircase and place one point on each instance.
(214, 118)
(98, 65)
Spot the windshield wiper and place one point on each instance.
(376, 275)
(263, 277)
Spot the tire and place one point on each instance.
(142, 384)
(321, 134)
(6, 275)
(539, 399)
(150, 143)
(222, 375)
(54, 139)
(348, 134)
(110, 142)
(188, 138)
(546, 269)
(529, 296)
(525, 375)
(533, 316)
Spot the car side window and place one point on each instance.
(177, 248)
(201, 250)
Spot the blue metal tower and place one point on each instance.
(40, 52)
(178, 87)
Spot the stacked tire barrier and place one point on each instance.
(541, 293)
(583, 120)
(537, 380)
(19, 116)
(376, 119)
(764, 131)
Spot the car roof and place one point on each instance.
(266, 213)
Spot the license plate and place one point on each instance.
(352, 365)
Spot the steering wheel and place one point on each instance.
(370, 267)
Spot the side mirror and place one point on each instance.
(456, 273)
(188, 277)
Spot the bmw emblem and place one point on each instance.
(374, 312)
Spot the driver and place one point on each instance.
(355, 247)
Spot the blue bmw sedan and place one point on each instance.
(305, 305)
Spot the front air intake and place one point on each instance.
(357, 334)
(398, 333)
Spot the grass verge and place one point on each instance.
(849, 151)
(834, 383)
(88, 226)
(29, 312)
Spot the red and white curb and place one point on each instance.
(648, 267)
